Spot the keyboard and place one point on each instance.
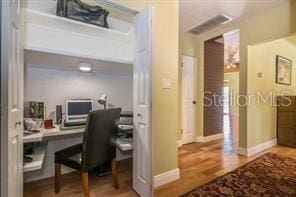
(63, 128)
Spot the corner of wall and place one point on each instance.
(256, 149)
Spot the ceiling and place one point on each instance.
(70, 63)
(195, 12)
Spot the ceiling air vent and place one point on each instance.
(210, 24)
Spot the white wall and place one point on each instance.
(55, 87)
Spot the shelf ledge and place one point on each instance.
(54, 21)
(73, 54)
(38, 159)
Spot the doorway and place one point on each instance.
(221, 86)
(231, 85)
(142, 107)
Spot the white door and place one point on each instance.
(12, 97)
(188, 99)
(142, 172)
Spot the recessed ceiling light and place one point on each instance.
(85, 67)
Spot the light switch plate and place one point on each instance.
(259, 75)
(166, 84)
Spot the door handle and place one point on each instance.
(140, 115)
(193, 102)
(19, 123)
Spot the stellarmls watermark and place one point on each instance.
(249, 100)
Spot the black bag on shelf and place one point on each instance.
(81, 11)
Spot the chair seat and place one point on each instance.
(70, 157)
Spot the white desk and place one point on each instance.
(47, 133)
(55, 133)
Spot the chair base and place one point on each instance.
(85, 178)
(85, 184)
(114, 173)
(57, 178)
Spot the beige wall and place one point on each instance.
(187, 44)
(276, 23)
(165, 66)
(262, 59)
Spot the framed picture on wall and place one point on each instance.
(283, 70)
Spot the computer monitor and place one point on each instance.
(77, 110)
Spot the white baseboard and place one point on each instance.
(256, 149)
(180, 143)
(166, 177)
(209, 138)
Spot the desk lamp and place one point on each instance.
(103, 100)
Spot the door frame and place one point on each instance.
(194, 93)
(4, 105)
(0, 96)
(4, 99)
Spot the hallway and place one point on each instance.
(230, 127)
(200, 163)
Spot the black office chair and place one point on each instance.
(95, 150)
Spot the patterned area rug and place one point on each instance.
(269, 175)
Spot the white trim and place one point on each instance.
(75, 54)
(180, 143)
(242, 151)
(118, 7)
(166, 177)
(256, 149)
(203, 139)
(231, 32)
(34, 16)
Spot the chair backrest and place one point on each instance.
(101, 126)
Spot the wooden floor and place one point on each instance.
(198, 163)
(71, 185)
